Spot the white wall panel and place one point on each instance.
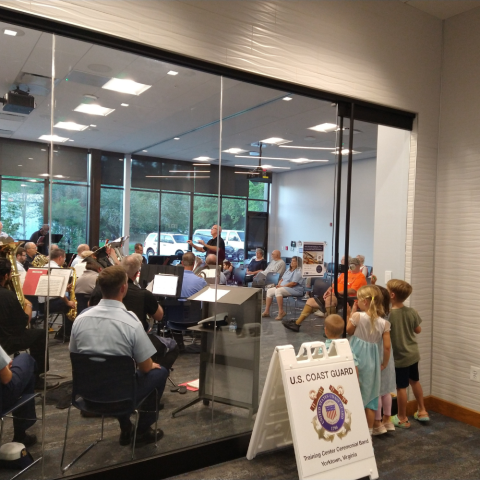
(456, 336)
(384, 52)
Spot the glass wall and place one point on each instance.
(134, 149)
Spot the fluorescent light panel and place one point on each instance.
(126, 86)
(93, 109)
(203, 159)
(249, 173)
(325, 127)
(12, 33)
(275, 141)
(279, 158)
(178, 176)
(235, 150)
(172, 72)
(287, 99)
(53, 138)
(189, 171)
(71, 126)
(262, 166)
(307, 148)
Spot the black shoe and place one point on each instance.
(291, 325)
(148, 437)
(40, 383)
(89, 414)
(126, 435)
(28, 439)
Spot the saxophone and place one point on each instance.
(72, 313)
(9, 251)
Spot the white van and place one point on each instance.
(170, 244)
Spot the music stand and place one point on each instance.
(148, 272)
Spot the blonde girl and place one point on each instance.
(367, 325)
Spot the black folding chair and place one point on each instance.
(104, 385)
(239, 276)
(82, 302)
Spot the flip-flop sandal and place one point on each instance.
(279, 317)
(265, 314)
(425, 418)
(396, 421)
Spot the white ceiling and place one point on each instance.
(443, 9)
(186, 105)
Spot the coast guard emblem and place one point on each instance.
(332, 418)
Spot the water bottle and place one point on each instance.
(233, 326)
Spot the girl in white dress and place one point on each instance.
(368, 327)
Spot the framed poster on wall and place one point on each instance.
(313, 253)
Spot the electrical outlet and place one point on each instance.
(388, 275)
(475, 374)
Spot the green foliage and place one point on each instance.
(69, 214)
(233, 213)
(175, 213)
(143, 212)
(205, 212)
(111, 213)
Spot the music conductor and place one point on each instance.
(214, 244)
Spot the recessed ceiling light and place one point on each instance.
(172, 72)
(30, 158)
(34, 181)
(23, 185)
(53, 138)
(71, 126)
(20, 165)
(287, 99)
(12, 33)
(43, 150)
(93, 126)
(278, 158)
(275, 141)
(70, 140)
(325, 127)
(59, 176)
(93, 109)
(44, 175)
(301, 160)
(198, 164)
(203, 159)
(249, 173)
(177, 138)
(124, 104)
(126, 86)
(234, 150)
(144, 150)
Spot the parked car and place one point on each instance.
(170, 244)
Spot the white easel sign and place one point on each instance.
(314, 400)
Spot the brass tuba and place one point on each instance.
(9, 251)
(198, 268)
(39, 261)
(72, 313)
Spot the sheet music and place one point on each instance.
(209, 295)
(56, 284)
(165, 285)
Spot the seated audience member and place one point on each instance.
(276, 265)
(139, 249)
(191, 282)
(60, 304)
(227, 270)
(14, 334)
(17, 377)
(363, 268)
(256, 265)
(137, 300)
(21, 259)
(109, 329)
(211, 260)
(86, 283)
(290, 284)
(81, 248)
(31, 250)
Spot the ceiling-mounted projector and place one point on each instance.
(18, 101)
(259, 175)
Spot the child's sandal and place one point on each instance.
(396, 421)
(423, 418)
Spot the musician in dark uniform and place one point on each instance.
(139, 250)
(214, 244)
(42, 245)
